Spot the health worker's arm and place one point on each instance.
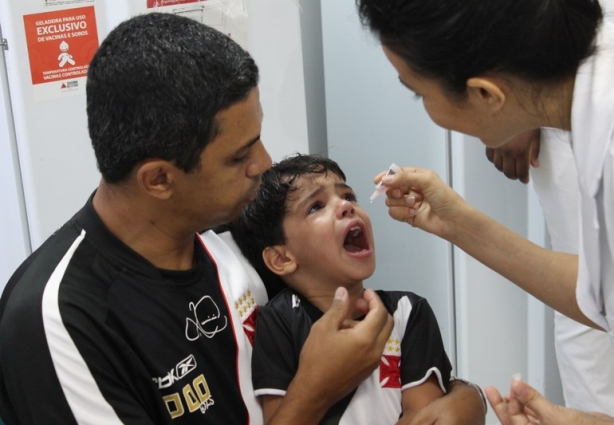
(420, 198)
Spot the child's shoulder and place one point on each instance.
(392, 298)
(282, 298)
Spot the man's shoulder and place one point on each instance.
(46, 265)
(46, 257)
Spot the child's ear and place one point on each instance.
(279, 260)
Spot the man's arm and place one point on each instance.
(336, 357)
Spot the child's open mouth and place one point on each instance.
(355, 240)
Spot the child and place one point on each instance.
(307, 227)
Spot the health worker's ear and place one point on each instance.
(155, 177)
(279, 260)
(487, 93)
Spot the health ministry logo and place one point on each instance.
(67, 86)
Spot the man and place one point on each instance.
(125, 314)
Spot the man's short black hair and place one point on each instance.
(154, 88)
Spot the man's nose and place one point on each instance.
(262, 160)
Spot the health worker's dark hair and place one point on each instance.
(260, 224)
(154, 88)
(451, 41)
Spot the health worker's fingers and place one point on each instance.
(490, 154)
(410, 178)
(499, 405)
(378, 177)
(531, 400)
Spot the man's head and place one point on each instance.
(154, 89)
(306, 219)
(174, 115)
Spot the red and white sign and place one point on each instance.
(61, 44)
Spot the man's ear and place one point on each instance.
(279, 260)
(488, 93)
(155, 177)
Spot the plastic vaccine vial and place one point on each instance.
(381, 187)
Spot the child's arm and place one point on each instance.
(270, 403)
(415, 398)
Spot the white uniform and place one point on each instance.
(587, 375)
(592, 139)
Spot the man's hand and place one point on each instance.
(525, 406)
(336, 357)
(515, 158)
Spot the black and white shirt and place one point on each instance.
(91, 332)
(414, 351)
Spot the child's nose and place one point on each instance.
(346, 208)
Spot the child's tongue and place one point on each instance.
(351, 248)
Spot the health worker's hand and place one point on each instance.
(524, 405)
(515, 157)
(419, 197)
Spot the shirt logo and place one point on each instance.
(184, 367)
(207, 320)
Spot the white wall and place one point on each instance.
(14, 237)
(275, 44)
